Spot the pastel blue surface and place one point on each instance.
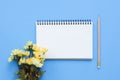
(17, 26)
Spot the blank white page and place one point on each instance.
(65, 39)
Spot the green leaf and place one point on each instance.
(40, 73)
(18, 79)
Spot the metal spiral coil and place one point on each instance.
(64, 22)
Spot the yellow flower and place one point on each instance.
(15, 52)
(34, 47)
(36, 62)
(38, 54)
(27, 53)
(44, 49)
(21, 61)
(39, 65)
(29, 43)
(42, 60)
(29, 61)
(26, 47)
(35, 53)
(37, 48)
(20, 53)
(10, 58)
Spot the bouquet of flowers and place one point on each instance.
(30, 61)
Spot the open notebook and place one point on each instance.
(66, 39)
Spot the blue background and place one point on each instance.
(17, 26)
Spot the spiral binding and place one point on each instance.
(64, 22)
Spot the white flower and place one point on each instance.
(36, 62)
(29, 43)
(10, 58)
(34, 47)
(15, 51)
(26, 47)
(39, 65)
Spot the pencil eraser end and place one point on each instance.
(98, 66)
